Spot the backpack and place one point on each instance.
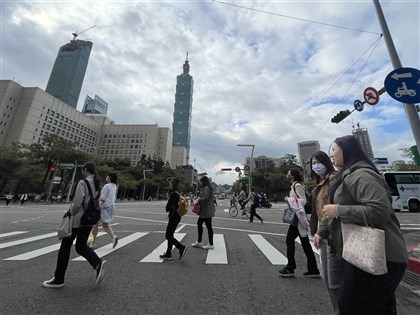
(308, 197)
(92, 213)
(182, 206)
(257, 199)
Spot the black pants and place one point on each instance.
(209, 229)
(292, 233)
(173, 222)
(254, 213)
(82, 249)
(242, 203)
(362, 293)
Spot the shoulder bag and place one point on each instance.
(364, 247)
(289, 216)
(65, 227)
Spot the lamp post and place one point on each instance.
(144, 185)
(250, 164)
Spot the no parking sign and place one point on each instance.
(371, 96)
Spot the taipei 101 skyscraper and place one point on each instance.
(181, 126)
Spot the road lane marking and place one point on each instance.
(153, 257)
(12, 233)
(41, 251)
(269, 251)
(107, 249)
(217, 255)
(27, 240)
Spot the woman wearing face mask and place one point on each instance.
(322, 172)
(359, 194)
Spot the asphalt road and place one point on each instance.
(239, 277)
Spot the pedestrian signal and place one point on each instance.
(225, 169)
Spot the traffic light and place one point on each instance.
(340, 116)
(52, 169)
(225, 169)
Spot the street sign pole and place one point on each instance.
(410, 109)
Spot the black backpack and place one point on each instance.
(92, 213)
(257, 199)
(308, 205)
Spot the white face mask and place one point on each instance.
(319, 169)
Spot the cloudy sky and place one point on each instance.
(268, 73)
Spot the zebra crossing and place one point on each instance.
(217, 256)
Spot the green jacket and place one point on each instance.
(362, 190)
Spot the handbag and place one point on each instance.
(364, 247)
(289, 216)
(197, 208)
(65, 226)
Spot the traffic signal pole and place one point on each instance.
(410, 109)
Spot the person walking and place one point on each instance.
(107, 202)
(23, 199)
(359, 193)
(79, 232)
(297, 200)
(9, 198)
(323, 172)
(242, 197)
(254, 200)
(173, 220)
(207, 212)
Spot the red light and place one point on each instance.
(52, 169)
(225, 169)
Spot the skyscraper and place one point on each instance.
(181, 126)
(305, 151)
(95, 106)
(69, 70)
(363, 136)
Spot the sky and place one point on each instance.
(267, 73)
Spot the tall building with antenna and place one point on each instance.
(181, 126)
(68, 73)
(363, 136)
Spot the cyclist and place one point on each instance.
(242, 199)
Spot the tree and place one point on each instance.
(10, 163)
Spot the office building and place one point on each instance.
(69, 70)
(363, 136)
(263, 161)
(27, 114)
(181, 126)
(95, 106)
(305, 151)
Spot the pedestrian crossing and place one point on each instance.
(217, 256)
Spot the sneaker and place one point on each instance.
(165, 257)
(197, 244)
(52, 284)
(114, 241)
(208, 246)
(315, 275)
(286, 273)
(100, 272)
(182, 252)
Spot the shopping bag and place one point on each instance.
(197, 208)
(65, 227)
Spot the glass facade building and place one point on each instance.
(69, 70)
(181, 126)
(95, 106)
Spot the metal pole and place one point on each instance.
(251, 168)
(72, 181)
(52, 181)
(410, 109)
(144, 184)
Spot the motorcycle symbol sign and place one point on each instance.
(403, 85)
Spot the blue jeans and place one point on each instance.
(331, 266)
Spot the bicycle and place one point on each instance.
(234, 210)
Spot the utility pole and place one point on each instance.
(410, 109)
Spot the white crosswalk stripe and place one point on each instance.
(41, 251)
(107, 249)
(27, 240)
(12, 233)
(217, 255)
(269, 251)
(153, 257)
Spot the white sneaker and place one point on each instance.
(197, 244)
(208, 246)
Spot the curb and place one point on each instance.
(413, 263)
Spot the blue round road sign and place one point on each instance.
(358, 105)
(403, 85)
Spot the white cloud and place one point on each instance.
(259, 78)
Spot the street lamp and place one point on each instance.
(250, 164)
(144, 177)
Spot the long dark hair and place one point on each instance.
(91, 168)
(296, 175)
(324, 159)
(205, 181)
